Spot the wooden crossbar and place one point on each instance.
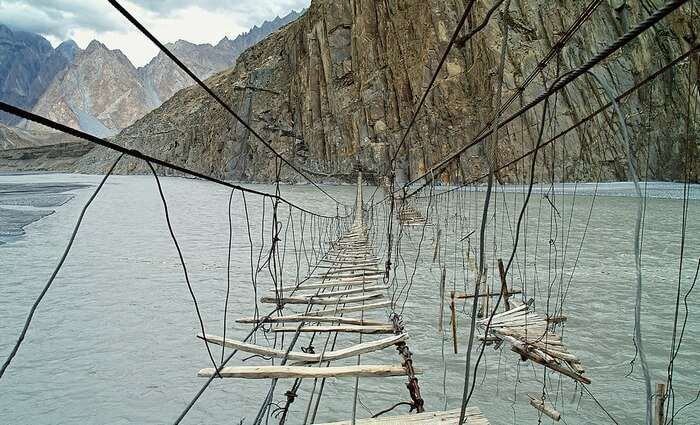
(321, 301)
(305, 318)
(363, 329)
(365, 347)
(267, 372)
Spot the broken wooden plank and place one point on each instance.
(538, 359)
(365, 347)
(544, 407)
(281, 372)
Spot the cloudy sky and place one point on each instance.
(198, 21)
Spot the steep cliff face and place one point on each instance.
(339, 85)
(28, 64)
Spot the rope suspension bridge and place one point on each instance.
(480, 242)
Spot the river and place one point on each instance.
(114, 339)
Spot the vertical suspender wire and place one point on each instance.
(491, 152)
(182, 263)
(228, 272)
(632, 171)
(670, 394)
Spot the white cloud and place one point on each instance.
(204, 21)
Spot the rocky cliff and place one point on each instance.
(28, 64)
(339, 85)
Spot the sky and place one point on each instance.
(197, 21)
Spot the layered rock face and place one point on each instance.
(340, 84)
(28, 64)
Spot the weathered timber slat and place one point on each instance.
(267, 372)
(305, 318)
(364, 329)
(351, 351)
(350, 309)
(320, 301)
(473, 416)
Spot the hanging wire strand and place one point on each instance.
(182, 262)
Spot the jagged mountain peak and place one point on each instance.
(95, 45)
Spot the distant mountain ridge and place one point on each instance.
(165, 78)
(99, 90)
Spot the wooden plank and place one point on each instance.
(512, 311)
(355, 271)
(659, 405)
(473, 416)
(453, 317)
(345, 265)
(543, 407)
(538, 359)
(320, 301)
(329, 284)
(257, 349)
(364, 289)
(442, 295)
(319, 319)
(281, 372)
(334, 258)
(363, 329)
(350, 309)
(463, 296)
(504, 285)
(365, 347)
(342, 279)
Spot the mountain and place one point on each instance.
(165, 78)
(28, 65)
(340, 84)
(100, 93)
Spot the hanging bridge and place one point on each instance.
(355, 273)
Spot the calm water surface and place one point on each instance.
(113, 341)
